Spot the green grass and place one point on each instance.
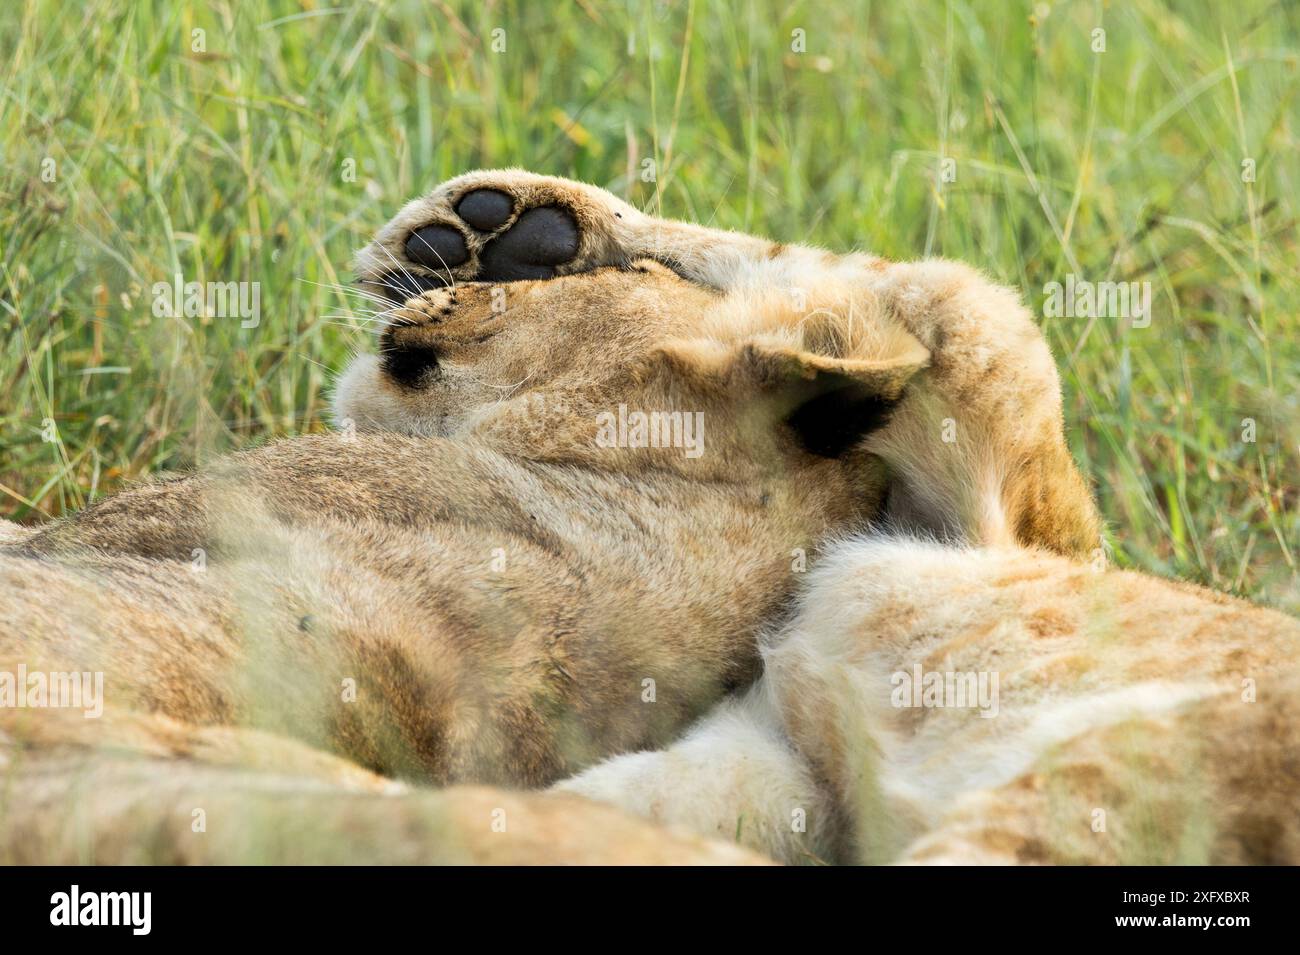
(227, 165)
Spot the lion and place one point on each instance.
(989, 375)
(587, 466)
(929, 703)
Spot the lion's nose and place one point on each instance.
(409, 363)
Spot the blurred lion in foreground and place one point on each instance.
(559, 544)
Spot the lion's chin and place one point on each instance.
(365, 400)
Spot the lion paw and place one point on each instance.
(495, 227)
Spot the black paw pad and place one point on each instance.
(539, 240)
(436, 247)
(399, 287)
(485, 209)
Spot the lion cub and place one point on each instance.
(504, 604)
(933, 704)
(606, 475)
(530, 593)
(976, 453)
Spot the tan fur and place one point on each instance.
(499, 586)
(977, 453)
(372, 556)
(267, 800)
(1126, 731)
(1137, 721)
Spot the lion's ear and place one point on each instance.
(830, 403)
